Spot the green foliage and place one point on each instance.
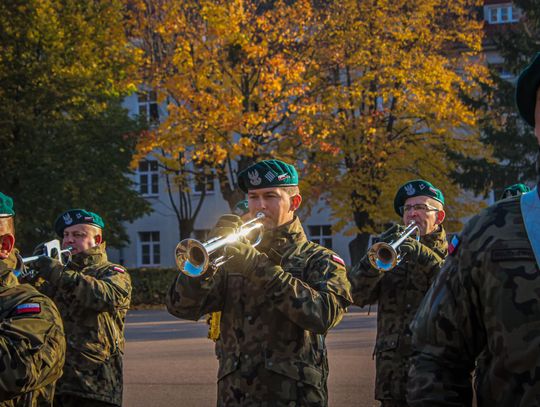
(64, 64)
(150, 285)
(512, 142)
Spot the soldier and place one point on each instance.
(32, 344)
(514, 190)
(485, 301)
(400, 290)
(278, 301)
(93, 296)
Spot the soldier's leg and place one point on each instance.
(68, 400)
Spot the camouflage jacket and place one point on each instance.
(272, 348)
(483, 303)
(32, 343)
(398, 293)
(93, 296)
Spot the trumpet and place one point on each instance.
(385, 256)
(193, 258)
(50, 249)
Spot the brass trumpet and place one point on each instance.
(385, 256)
(193, 258)
(51, 249)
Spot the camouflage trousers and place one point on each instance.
(69, 400)
(394, 403)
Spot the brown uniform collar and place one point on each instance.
(276, 242)
(94, 256)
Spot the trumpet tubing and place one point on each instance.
(385, 256)
(193, 258)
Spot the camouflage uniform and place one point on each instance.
(398, 293)
(93, 296)
(32, 343)
(272, 347)
(484, 302)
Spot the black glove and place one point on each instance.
(418, 252)
(226, 225)
(391, 234)
(39, 250)
(46, 266)
(243, 257)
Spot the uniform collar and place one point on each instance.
(437, 241)
(7, 278)
(91, 257)
(276, 242)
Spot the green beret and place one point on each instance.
(6, 206)
(241, 208)
(77, 217)
(417, 187)
(266, 174)
(527, 85)
(515, 190)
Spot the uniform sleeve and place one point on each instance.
(107, 292)
(447, 337)
(316, 304)
(365, 283)
(32, 348)
(192, 297)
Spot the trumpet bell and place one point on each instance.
(383, 256)
(191, 257)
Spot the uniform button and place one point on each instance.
(408, 306)
(246, 357)
(269, 363)
(249, 318)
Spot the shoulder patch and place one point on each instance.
(119, 269)
(453, 245)
(28, 308)
(338, 259)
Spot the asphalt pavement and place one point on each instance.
(170, 362)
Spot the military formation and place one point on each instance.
(457, 320)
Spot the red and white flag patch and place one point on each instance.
(119, 269)
(28, 308)
(338, 259)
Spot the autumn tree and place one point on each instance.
(231, 74)
(390, 105)
(66, 141)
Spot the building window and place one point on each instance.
(502, 14)
(204, 181)
(321, 234)
(150, 249)
(148, 178)
(148, 106)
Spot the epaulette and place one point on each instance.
(27, 308)
(118, 269)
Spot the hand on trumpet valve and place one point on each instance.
(225, 226)
(45, 266)
(391, 234)
(241, 257)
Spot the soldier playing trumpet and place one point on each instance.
(277, 300)
(400, 289)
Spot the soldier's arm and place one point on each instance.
(447, 337)
(32, 348)
(316, 304)
(192, 297)
(365, 283)
(109, 291)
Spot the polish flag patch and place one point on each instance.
(28, 308)
(119, 269)
(338, 259)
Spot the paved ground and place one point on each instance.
(169, 362)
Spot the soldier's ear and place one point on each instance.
(98, 238)
(296, 200)
(440, 216)
(7, 243)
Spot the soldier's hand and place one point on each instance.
(39, 250)
(391, 234)
(226, 225)
(244, 258)
(45, 266)
(418, 252)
